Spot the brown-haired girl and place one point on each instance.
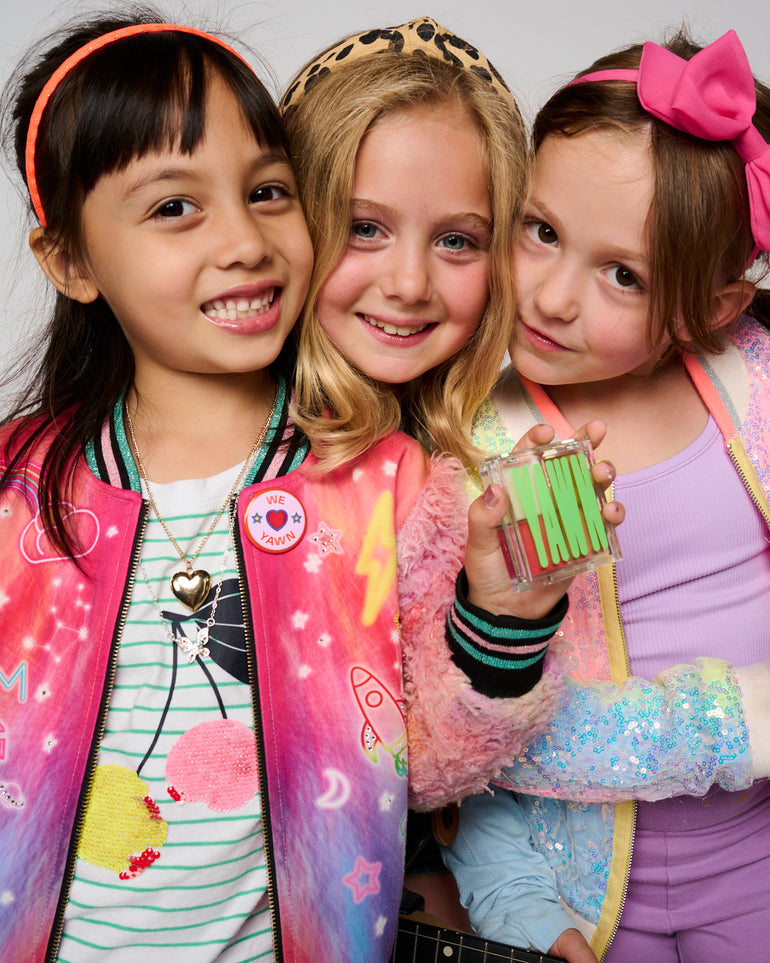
(650, 200)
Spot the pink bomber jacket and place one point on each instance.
(332, 702)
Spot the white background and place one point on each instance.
(535, 45)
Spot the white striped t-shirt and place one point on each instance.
(194, 884)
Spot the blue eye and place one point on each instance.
(454, 242)
(364, 229)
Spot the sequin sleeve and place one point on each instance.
(679, 734)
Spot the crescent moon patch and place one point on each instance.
(337, 793)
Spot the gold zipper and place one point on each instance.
(85, 793)
(615, 675)
(632, 829)
(734, 449)
(251, 663)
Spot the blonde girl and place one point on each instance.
(333, 105)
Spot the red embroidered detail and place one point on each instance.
(152, 807)
(138, 863)
(177, 796)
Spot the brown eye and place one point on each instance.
(173, 208)
(625, 278)
(546, 234)
(267, 192)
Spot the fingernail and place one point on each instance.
(490, 497)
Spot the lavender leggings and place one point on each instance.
(699, 893)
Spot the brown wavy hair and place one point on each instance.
(699, 233)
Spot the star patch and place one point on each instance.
(327, 539)
(364, 880)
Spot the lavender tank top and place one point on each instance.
(694, 581)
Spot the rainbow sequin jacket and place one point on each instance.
(612, 738)
(366, 572)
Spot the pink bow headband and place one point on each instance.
(72, 61)
(711, 96)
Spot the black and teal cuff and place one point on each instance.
(502, 655)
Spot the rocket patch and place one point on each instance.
(384, 718)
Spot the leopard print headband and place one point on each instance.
(422, 36)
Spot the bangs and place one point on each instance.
(142, 95)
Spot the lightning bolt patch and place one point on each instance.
(377, 560)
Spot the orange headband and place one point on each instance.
(72, 61)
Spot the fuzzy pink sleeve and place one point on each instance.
(458, 739)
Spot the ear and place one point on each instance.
(727, 304)
(730, 302)
(61, 270)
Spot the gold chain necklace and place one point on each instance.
(190, 586)
(197, 647)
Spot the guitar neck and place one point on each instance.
(418, 942)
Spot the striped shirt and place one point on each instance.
(171, 859)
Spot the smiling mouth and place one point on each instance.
(542, 341)
(402, 330)
(236, 309)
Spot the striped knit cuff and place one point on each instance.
(501, 655)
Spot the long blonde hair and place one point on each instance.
(342, 411)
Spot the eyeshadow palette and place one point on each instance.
(554, 527)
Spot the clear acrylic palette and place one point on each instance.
(554, 527)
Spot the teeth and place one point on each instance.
(402, 331)
(230, 309)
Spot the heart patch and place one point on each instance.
(35, 543)
(276, 520)
(191, 588)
